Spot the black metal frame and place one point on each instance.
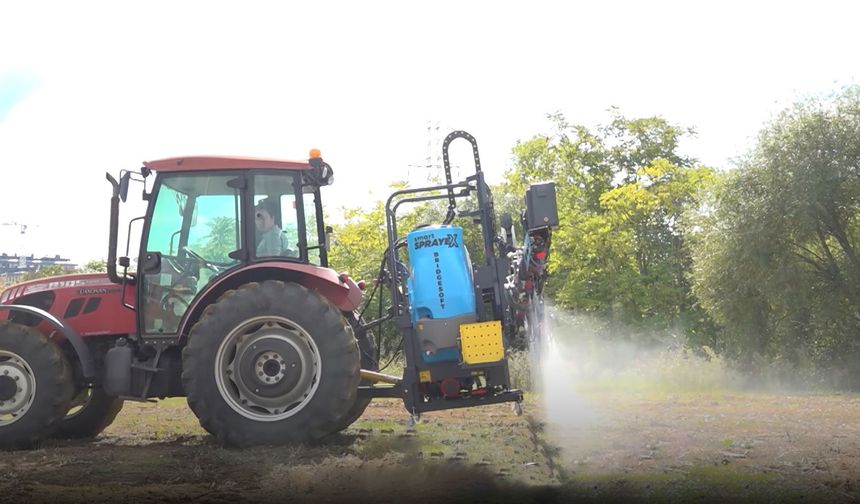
(489, 278)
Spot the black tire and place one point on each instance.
(91, 412)
(367, 348)
(35, 386)
(295, 340)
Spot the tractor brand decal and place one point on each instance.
(439, 279)
(102, 290)
(432, 241)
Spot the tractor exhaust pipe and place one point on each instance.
(114, 225)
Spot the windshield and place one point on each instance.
(200, 213)
(195, 226)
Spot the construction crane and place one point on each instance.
(22, 257)
(22, 227)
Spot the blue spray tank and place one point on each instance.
(440, 288)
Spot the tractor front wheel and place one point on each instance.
(91, 412)
(270, 363)
(35, 386)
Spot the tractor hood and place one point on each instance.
(89, 303)
(90, 283)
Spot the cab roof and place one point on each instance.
(201, 163)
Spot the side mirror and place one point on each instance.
(124, 179)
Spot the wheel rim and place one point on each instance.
(17, 387)
(79, 402)
(267, 368)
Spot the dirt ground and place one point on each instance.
(698, 447)
(715, 447)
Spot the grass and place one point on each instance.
(704, 484)
(378, 425)
(519, 370)
(164, 419)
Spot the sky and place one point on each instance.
(93, 87)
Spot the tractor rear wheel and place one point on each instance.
(367, 348)
(35, 386)
(270, 363)
(91, 412)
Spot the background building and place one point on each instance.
(14, 267)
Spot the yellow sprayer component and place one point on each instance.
(481, 342)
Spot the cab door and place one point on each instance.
(193, 235)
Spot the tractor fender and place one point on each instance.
(344, 294)
(88, 368)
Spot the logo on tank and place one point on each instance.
(439, 279)
(449, 240)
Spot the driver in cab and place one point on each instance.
(272, 241)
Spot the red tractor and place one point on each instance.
(232, 305)
(262, 341)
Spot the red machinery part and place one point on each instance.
(450, 387)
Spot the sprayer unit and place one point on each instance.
(458, 317)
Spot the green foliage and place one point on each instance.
(623, 194)
(44, 272)
(220, 241)
(94, 266)
(777, 263)
(359, 244)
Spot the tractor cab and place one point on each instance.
(210, 216)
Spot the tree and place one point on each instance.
(623, 193)
(44, 271)
(358, 247)
(94, 266)
(777, 263)
(220, 241)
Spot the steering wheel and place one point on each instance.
(203, 260)
(172, 301)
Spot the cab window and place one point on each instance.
(195, 226)
(276, 217)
